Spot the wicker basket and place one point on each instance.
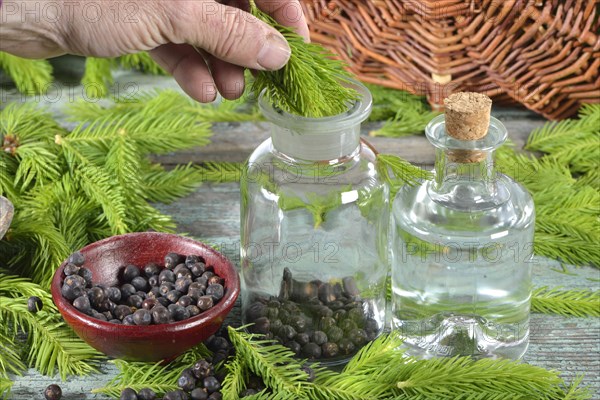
(542, 54)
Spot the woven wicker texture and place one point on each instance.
(542, 54)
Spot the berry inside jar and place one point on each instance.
(328, 321)
(183, 287)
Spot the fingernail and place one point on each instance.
(275, 53)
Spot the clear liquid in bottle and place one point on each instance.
(462, 248)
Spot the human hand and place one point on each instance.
(204, 44)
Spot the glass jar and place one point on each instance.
(314, 230)
(462, 249)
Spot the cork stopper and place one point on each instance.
(467, 117)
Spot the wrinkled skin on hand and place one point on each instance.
(204, 44)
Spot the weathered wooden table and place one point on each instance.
(570, 345)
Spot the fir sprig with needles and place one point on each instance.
(159, 377)
(570, 303)
(222, 172)
(382, 370)
(98, 73)
(50, 344)
(234, 382)
(311, 84)
(30, 76)
(5, 387)
(272, 362)
(572, 142)
(567, 200)
(35, 76)
(546, 300)
(166, 101)
(73, 187)
(398, 172)
(404, 113)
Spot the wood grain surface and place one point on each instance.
(571, 345)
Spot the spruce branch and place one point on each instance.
(221, 172)
(69, 195)
(351, 386)
(65, 206)
(99, 185)
(97, 76)
(166, 186)
(570, 303)
(98, 71)
(34, 76)
(590, 178)
(36, 164)
(404, 113)
(16, 286)
(152, 134)
(33, 246)
(545, 300)
(484, 379)
(574, 391)
(381, 370)
(141, 62)
(410, 119)
(572, 142)
(383, 350)
(168, 102)
(274, 363)
(25, 132)
(5, 387)
(566, 211)
(407, 122)
(387, 102)
(241, 110)
(161, 135)
(8, 168)
(30, 76)
(536, 174)
(360, 378)
(145, 217)
(398, 172)
(52, 345)
(156, 376)
(311, 84)
(235, 380)
(151, 103)
(124, 161)
(10, 359)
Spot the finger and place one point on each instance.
(288, 13)
(230, 34)
(188, 68)
(228, 77)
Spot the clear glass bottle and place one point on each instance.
(462, 248)
(314, 232)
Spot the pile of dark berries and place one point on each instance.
(53, 392)
(314, 319)
(199, 382)
(183, 288)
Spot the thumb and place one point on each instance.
(233, 35)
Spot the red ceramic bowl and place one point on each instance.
(153, 342)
